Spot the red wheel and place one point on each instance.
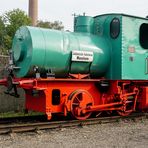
(80, 99)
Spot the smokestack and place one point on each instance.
(33, 11)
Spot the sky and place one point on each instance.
(63, 10)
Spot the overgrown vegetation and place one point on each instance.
(51, 25)
(19, 114)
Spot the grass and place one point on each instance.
(19, 114)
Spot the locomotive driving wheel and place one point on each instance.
(81, 99)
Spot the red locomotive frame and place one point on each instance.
(81, 97)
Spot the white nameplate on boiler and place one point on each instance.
(82, 56)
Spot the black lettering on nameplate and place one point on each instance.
(82, 56)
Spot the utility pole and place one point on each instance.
(33, 11)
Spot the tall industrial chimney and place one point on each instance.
(33, 11)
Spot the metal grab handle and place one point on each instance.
(146, 64)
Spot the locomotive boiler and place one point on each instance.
(101, 66)
(59, 52)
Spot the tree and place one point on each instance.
(51, 25)
(12, 20)
(2, 28)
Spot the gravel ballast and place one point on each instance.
(124, 134)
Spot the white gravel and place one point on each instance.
(124, 134)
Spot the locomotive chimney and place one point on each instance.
(33, 11)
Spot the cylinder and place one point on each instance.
(60, 52)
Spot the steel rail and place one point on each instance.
(31, 127)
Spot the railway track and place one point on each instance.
(32, 127)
